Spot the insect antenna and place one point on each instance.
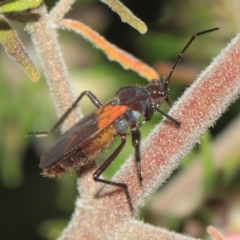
(183, 50)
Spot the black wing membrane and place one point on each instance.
(75, 136)
(81, 133)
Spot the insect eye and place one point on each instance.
(156, 93)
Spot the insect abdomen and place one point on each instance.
(81, 156)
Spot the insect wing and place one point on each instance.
(81, 133)
(108, 114)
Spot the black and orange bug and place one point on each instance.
(81, 144)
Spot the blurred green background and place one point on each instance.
(33, 207)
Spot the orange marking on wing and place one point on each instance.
(107, 114)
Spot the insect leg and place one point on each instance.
(104, 166)
(136, 137)
(177, 123)
(90, 95)
(169, 103)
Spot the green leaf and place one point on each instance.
(15, 49)
(206, 153)
(126, 15)
(19, 5)
(52, 228)
(231, 167)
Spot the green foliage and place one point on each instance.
(155, 46)
(230, 169)
(208, 166)
(51, 229)
(15, 49)
(14, 125)
(18, 5)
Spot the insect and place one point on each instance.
(82, 143)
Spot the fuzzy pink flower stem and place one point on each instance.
(197, 110)
(215, 233)
(44, 37)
